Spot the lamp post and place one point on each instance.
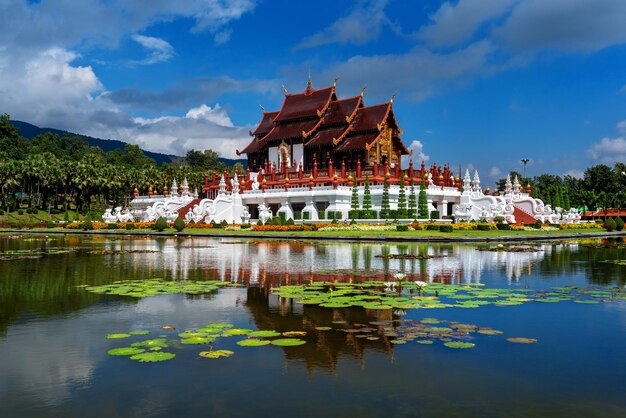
(525, 161)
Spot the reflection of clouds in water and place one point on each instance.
(45, 358)
(48, 360)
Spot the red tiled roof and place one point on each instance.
(305, 104)
(254, 146)
(358, 141)
(290, 130)
(326, 136)
(367, 118)
(265, 125)
(338, 110)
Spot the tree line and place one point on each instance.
(58, 173)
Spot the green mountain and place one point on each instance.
(29, 131)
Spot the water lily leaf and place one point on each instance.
(118, 335)
(430, 321)
(236, 331)
(197, 340)
(323, 328)
(294, 334)
(288, 342)
(216, 353)
(264, 334)
(400, 341)
(168, 328)
(139, 332)
(156, 342)
(252, 342)
(588, 302)
(153, 357)
(425, 342)
(459, 344)
(521, 340)
(373, 338)
(125, 351)
(438, 330)
(490, 331)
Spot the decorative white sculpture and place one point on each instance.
(265, 213)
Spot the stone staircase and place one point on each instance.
(182, 212)
(522, 217)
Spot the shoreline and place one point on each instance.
(327, 237)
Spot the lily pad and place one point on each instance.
(459, 344)
(117, 335)
(125, 351)
(424, 342)
(521, 340)
(236, 331)
(323, 328)
(139, 332)
(216, 353)
(264, 334)
(490, 331)
(288, 342)
(197, 340)
(294, 334)
(252, 342)
(153, 357)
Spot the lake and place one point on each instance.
(53, 345)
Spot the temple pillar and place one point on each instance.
(444, 208)
(358, 169)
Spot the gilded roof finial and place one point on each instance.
(392, 97)
(284, 89)
(262, 108)
(335, 81)
(363, 90)
(309, 85)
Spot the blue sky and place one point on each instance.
(480, 83)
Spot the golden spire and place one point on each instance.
(309, 84)
(284, 89)
(363, 90)
(261, 106)
(392, 97)
(335, 81)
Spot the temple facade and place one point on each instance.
(316, 128)
(306, 159)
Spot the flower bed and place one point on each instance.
(283, 228)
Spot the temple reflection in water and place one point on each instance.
(269, 263)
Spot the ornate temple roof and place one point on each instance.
(310, 103)
(265, 125)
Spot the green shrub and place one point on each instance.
(87, 225)
(503, 227)
(619, 223)
(224, 224)
(259, 223)
(432, 227)
(50, 225)
(352, 222)
(538, 224)
(130, 226)
(245, 226)
(297, 215)
(434, 214)
(289, 222)
(282, 216)
(402, 228)
(445, 228)
(20, 211)
(354, 214)
(160, 224)
(306, 216)
(483, 227)
(66, 216)
(498, 219)
(1, 211)
(610, 225)
(113, 226)
(179, 224)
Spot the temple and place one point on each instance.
(315, 158)
(317, 129)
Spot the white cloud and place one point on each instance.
(495, 172)
(160, 49)
(567, 25)
(456, 23)
(609, 150)
(578, 174)
(418, 73)
(222, 37)
(418, 151)
(216, 115)
(362, 25)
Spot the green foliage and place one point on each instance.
(87, 225)
(113, 226)
(289, 222)
(610, 225)
(445, 228)
(130, 226)
(412, 201)
(422, 205)
(367, 195)
(503, 226)
(538, 224)
(498, 219)
(160, 224)
(354, 202)
(483, 227)
(434, 214)
(619, 223)
(20, 211)
(401, 199)
(402, 228)
(179, 224)
(384, 205)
